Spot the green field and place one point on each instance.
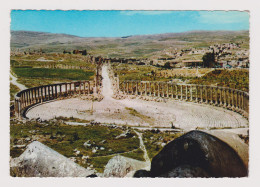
(71, 74)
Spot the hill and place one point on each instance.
(139, 46)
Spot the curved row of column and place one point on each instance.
(233, 99)
(29, 97)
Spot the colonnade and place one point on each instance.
(35, 95)
(233, 99)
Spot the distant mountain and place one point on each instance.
(125, 46)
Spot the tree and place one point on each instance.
(209, 60)
(167, 65)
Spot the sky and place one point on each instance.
(125, 23)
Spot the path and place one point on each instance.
(14, 81)
(137, 112)
(142, 147)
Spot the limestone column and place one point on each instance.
(154, 89)
(236, 99)
(25, 98)
(158, 89)
(150, 85)
(220, 97)
(181, 92)
(242, 100)
(33, 99)
(191, 93)
(127, 87)
(49, 92)
(225, 99)
(45, 92)
(211, 95)
(186, 94)
(233, 98)
(167, 90)
(132, 87)
(75, 89)
(61, 92)
(196, 92)
(53, 91)
(41, 94)
(88, 87)
(145, 87)
(163, 89)
(80, 88)
(56, 92)
(228, 97)
(84, 84)
(176, 91)
(172, 90)
(206, 94)
(136, 88)
(201, 93)
(216, 92)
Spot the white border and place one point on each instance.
(251, 5)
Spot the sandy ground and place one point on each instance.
(181, 114)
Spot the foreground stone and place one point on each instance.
(120, 166)
(196, 154)
(39, 160)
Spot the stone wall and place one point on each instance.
(232, 99)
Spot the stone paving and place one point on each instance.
(137, 112)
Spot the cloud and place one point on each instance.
(215, 17)
(145, 12)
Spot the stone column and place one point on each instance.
(45, 93)
(242, 100)
(42, 94)
(158, 89)
(167, 90)
(56, 92)
(233, 98)
(49, 92)
(80, 88)
(150, 84)
(220, 97)
(206, 94)
(190, 92)
(61, 92)
(163, 89)
(84, 84)
(236, 99)
(201, 93)
(132, 88)
(33, 96)
(136, 88)
(127, 87)
(211, 95)
(216, 94)
(172, 90)
(88, 87)
(53, 91)
(145, 87)
(176, 91)
(196, 92)
(186, 94)
(181, 93)
(225, 99)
